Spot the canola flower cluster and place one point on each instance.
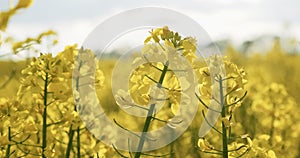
(42, 118)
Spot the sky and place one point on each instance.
(237, 20)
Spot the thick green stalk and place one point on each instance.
(71, 131)
(7, 155)
(223, 114)
(78, 142)
(44, 127)
(150, 114)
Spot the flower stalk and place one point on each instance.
(229, 98)
(7, 154)
(71, 130)
(70, 142)
(223, 114)
(44, 126)
(150, 113)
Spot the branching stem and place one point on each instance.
(150, 113)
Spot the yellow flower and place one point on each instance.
(30, 41)
(24, 4)
(4, 140)
(60, 90)
(4, 18)
(204, 145)
(154, 35)
(226, 121)
(30, 128)
(271, 154)
(235, 79)
(189, 48)
(171, 39)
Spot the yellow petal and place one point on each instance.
(174, 108)
(271, 154)
(147, 39)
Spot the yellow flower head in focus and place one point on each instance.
(169, 38)
(235, 79)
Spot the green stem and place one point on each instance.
(70, 143)
(78, 142)
(44, 126)
(7, 155)
(71, 131)
(223, 113)
(150, 114)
